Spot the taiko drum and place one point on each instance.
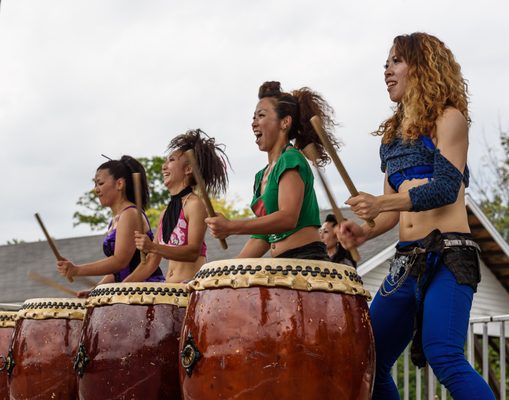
(45, 341)
(7, 323)
(281, 329)
(130, 340)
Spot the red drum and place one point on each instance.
(7, 322)
(43, 346)
(130, 340)
(286, 329)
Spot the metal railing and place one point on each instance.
(421, 384)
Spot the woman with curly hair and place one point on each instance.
(284, 200)
(428, 292)
(115, 189)
(180, 236)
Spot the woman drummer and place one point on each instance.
(284, 200)
(180, 236)
(115, 189)
(428, 292)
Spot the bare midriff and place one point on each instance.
(450, 218)
(300, 238)
(180, 271)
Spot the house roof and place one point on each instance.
(16, 260)
(494, 249)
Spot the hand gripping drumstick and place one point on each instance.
(50, 242)
(51, 283)
(137, 197)
(201, 185)
(310, 153)
(317, 126)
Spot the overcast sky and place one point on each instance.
(80, 78)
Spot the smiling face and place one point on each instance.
(176, 172)
(107, 188)
(396, 76)
(266, 124)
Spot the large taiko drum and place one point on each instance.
(43, 347)
(7, 322)
(285, 329)
(129, 347)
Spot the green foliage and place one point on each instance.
(229, 210)
(15, 241)
(492, 185)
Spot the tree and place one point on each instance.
(492, 185)
(98, 217)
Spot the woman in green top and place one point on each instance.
(284, 200)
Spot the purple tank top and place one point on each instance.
(109, 250)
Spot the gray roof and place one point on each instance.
(16, 260)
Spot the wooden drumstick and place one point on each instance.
(317, 126)
(50, 242)
(51, 283)
(201, 185)
(311, 153)
(137, 197)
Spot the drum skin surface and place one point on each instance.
(43, 348)
(7, 323)
(132, 351)
(260, 343)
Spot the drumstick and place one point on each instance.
(311, 153)
(317, 126)
(51, 243)
(201, 185)
(51, 283)
(137, 197)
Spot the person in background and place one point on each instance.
(335, 251)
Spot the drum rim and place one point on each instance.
(308, 275)
(52, 308)
(142, 293)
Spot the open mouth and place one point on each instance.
(390, 84)
(258, 137)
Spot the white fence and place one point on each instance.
(422, 384)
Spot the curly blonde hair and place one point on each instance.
(434, 82)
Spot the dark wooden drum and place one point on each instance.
(129, 346)
(7, 322)
(43, 347)
(281, 329)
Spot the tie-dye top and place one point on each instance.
(179, 236)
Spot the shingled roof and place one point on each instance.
(16, 260)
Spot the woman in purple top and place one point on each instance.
(115, 189)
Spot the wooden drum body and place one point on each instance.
(7, 323)
(43, 346)
(130, 342)
(281, 329)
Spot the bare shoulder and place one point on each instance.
(194, 205)
(451, 125)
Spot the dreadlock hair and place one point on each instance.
(124, 168)
(434, 83)
(301, 105)
(209, 156)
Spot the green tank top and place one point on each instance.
(267, 203)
